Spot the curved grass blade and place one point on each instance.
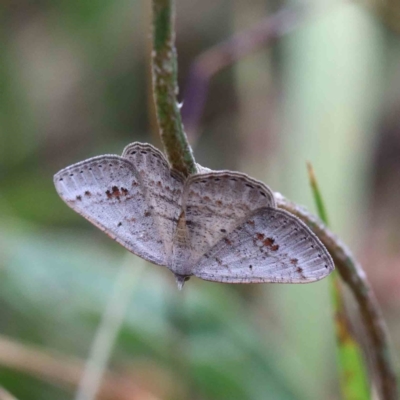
(351, 363)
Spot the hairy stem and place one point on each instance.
(181, 158)
(165, 88)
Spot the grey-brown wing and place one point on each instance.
(270, 246)
(215, 203)
(162, 188)
(106, 191)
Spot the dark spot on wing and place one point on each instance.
(218, 260)
(250, 186)
(223, 230)
(79, 197)
(250, 267)
(217, 179)
(227, 241)
(147, 214)
(144, 152)
(294, 261)
(300, 271)
(119, 223)
(218, 203)
(260, 236)
(87, 193)
(114, 192)
(250, 222)
(269, 242)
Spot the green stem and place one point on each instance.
(181, 158)
(165, 88)
(177, 148)
(317, 195)
(351, 365)
(353, 275)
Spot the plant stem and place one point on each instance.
(181, 158)
(354, 276)
(165, 88)
(317, 194)
(351, 363)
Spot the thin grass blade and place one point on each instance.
(351, 363)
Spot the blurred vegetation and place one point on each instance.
(74, 80)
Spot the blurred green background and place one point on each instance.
(74, 83)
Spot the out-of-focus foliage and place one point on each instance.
(74, 81)
(389, 10)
